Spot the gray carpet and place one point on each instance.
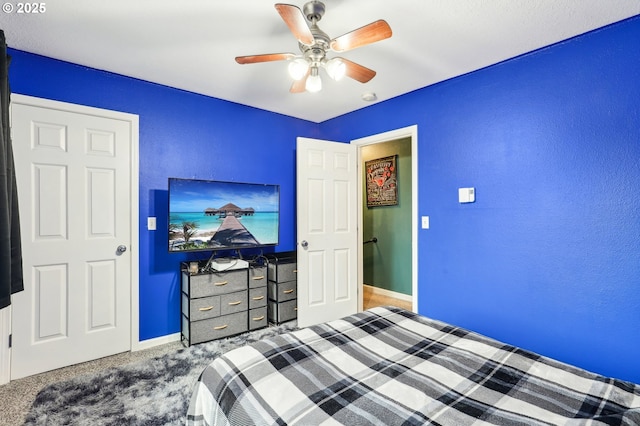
(151, 392)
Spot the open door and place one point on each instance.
(327, 230)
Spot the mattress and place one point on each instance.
(388, 366)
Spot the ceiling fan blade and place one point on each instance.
(375, 31)
(297, 23)
(299, 86)
(357, 71)
(269, 57)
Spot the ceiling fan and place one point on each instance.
(314, 45)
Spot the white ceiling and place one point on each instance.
(192, 44)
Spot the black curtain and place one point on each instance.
(10, 247)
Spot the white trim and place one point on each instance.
(388, 293)
(410, 132)
(156, 341)
(5, 350)
(135, 232)
(134, 248)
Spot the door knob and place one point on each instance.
(121, 249)
(304, 244)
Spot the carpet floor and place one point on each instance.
(155, 391)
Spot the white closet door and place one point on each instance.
(74, 175)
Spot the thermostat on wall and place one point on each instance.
(466, 195)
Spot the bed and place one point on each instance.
(388, 366)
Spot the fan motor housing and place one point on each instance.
(313, 53)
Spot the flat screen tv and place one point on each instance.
(215, 215)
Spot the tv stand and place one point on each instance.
(222, 303)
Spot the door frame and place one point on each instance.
(133, 119)
(405, 132)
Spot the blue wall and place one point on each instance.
(548, 257)
(181, 135)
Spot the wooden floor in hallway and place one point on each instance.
(371, 299)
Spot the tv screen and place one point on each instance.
(215, 215)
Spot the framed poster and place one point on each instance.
(382, 182)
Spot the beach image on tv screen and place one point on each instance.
(214, 215)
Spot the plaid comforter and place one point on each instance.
(387, 366)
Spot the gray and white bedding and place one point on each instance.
(388, 366)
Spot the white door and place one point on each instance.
(327, 230)
(73, 174)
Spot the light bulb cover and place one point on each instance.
(298, 68)
(336, 68)
(313, 84)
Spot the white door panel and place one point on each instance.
(327, 230)
(74, 178)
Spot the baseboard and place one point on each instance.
(388, 293)
(157, 341)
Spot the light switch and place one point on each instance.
(151, 223)
(425, 222)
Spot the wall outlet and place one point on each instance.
(151, 223)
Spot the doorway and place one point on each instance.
(387, 270)
(386, 224)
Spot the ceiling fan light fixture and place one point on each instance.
(298, 68)
(336, 68)
(314, 44)
(314, 83)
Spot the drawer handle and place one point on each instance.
(295, 271)
(258, 298)
(259, 318)
(288, 291)
(235, 303)
(206, 309)
(261, 277)
(221, 327)
(295, 309)
(221, 283)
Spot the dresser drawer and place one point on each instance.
(203, 308)
(258, 318)
(282, 292)
(258, 277)
(281, 312)
(257, 297)
(203, 285)
(233, 302)
(215, 328)
(282, 271)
